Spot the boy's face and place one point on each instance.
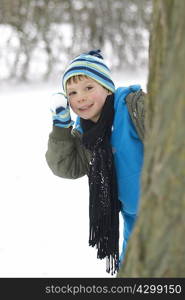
(86, 98)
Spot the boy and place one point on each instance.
(106, 144)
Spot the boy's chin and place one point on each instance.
(93, 119)
(85, 116)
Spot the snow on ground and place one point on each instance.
(43, 218)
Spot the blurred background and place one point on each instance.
(44, 218)
(38, 37)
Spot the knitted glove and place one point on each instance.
(61, 111)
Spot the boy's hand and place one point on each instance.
(60, 111)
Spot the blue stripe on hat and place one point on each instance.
(91, 61)
(90, 70)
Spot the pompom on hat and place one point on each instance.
(92, 65)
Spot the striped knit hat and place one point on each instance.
(90, 64)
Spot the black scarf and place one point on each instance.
(104, 205)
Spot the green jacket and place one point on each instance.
(66, 156)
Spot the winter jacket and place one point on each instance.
(67, 157)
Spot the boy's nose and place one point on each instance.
(81, 99)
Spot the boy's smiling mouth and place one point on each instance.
(85, 107)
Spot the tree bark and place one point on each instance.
(156, 248)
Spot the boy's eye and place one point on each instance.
(89, 87)
(72, 93)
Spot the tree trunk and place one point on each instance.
(156, 248)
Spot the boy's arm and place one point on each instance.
(65, 155)
(136, 107)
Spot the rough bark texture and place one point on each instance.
(157, 248)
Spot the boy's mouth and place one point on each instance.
(85, 107)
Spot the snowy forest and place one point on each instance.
(38, 36)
